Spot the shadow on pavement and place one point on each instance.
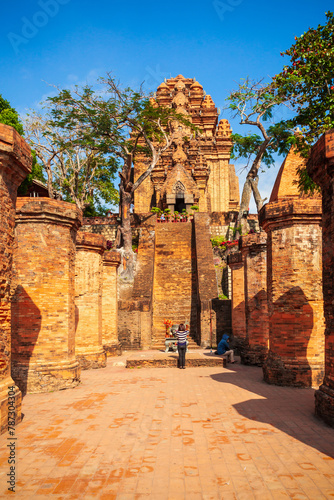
(291, 410)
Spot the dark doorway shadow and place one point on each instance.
(26, 320)
(222, 309)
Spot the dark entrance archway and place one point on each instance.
(179, 202)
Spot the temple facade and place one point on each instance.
(195, 169)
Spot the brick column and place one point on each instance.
(295, 302)
(254, 252)
(206, 282)
(88, 300)
(43, 347)
(236, 264)
(15, 165)
(321, 168)
(111, 261)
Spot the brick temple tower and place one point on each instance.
(196, 168)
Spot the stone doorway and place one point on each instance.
(179, 203)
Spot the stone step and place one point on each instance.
(160, 344)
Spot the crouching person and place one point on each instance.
(224, 348)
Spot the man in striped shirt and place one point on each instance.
(181, 336)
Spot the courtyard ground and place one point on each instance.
(164, 433)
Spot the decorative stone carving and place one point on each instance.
(204, 155)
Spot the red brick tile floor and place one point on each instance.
(163, 433)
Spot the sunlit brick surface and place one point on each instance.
(254, 250)
(111, 261)
(43, 329)
(320, 167)
(236, 264)
(169, 434)
(294, 278)
(88, 300)
(174, 288)
(15, 164)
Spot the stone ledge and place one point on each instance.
(291, 210)
(44, 210)
(91, 241)
(13, 144)
(134, 305)
(46, 377)
(111, 257)
(173, 362)
(253, 240)
(234, 258)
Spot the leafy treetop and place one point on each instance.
(307, 82)
(9, 116)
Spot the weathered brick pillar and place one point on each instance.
(15, 165)
(111, 261)
(88, 300)
(254, 252)
(295, 302)
(43, 330)
(236, 264)
(206, 282)
(321, 168)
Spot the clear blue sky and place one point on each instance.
(218, 42)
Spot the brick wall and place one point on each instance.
(15, 164)
(222, 309)
(111, 262)
(206, 281)
(134, 324)
(174, 288)
(295, 302)
(135, 312)
(238, 336)
(88, 300)
(321, 169)
(254, 251)
(43, 347)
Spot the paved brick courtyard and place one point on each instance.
(163, 433)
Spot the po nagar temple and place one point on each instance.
(64, 309)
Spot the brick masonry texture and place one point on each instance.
(295, 301)
(321, 168)
(206, 282)
(88, 300)
(43, 329)
(200, 166)
(254, 251)
(15, 165)
(236, 264)
(111, 262)
(135, 312)
(174, 288)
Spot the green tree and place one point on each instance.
(121, 123)
(307, 83)
(74, 168)
(255, 103)
(36, 173)
(9, 116)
